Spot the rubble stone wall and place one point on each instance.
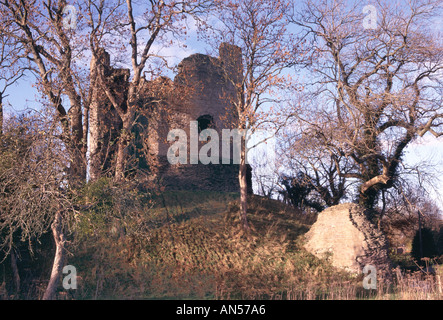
(343, 234)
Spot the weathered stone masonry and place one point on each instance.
(203, 90)
(345, 235)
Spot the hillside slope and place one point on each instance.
(196, 250)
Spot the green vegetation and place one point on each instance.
(427, 249)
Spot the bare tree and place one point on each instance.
(154, 22)
(306, 160)
(48, 50)
(265, 173)
(33, 190)
(10, 70)
(259, 29)
(372, 91)
(407, 207)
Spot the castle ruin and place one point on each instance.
(203, 90)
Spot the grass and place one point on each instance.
(195, 250)
(208, 256)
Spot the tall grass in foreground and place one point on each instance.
(419, 285)
(198, 251)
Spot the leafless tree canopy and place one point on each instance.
(32, 180)
(372, 91)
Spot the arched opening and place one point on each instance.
(204, 122)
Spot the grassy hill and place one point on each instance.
(195, 249)
(192, 248)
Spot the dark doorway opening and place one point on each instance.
(205, 122)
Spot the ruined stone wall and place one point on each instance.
(204, 87)
(344, 235)
(104, 122)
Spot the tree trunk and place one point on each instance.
(368, 199)
(372, 174)
(1, 113)
(121, 157)
(57, 266)
(127, 117)
(120, 161)
(77, 168)
(419, 235)
(15, 273)
(77, 141)
(243, 183)
(94, 161)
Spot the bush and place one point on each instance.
(428, 245)
(440, 242)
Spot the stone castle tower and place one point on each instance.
(202, 92)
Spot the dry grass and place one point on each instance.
(215, 258)
(419, 285)
(199, 252)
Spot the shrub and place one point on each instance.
(440, 242)
(428, 245)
